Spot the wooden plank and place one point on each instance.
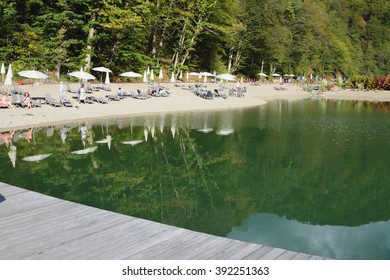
(36, 226)
(273, 254)
(287, 255)
(245, 252)
(259, 253)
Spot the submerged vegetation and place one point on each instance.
(243, 37)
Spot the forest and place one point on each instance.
(241, 37)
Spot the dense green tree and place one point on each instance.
(243, 37)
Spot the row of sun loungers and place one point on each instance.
(17, 97)
(223, 92)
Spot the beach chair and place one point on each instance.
(66, 102)
(141, 95)
(51, 101)
(240, 92)
(111, 97)
(17, 89)
(106, 87)
(90, 88)
(16, 100)
(97, 99)
(209, 95)
(69, 89)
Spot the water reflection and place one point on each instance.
(319, 163)
(324, 240)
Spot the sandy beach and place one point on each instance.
(179, 100)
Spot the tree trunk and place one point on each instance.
(181, 45)
(57, 66)
(89, 46)
(230, 60)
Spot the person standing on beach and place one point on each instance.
(48, 77)
(81, 94)
(62, 91)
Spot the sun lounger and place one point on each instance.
(51, 101)
(240, 92)
(106, 87)
(16, 100)
(141, 95)
(66, 102)
(90, 88)
(112, 97)
(97, 99)
(70, 89)
(17, 89)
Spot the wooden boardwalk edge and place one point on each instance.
(37, 226)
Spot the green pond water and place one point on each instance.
(309, 176)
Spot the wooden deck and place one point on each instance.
(36, 226)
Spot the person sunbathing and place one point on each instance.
(6, 102)
(27, 100)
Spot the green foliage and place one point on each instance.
(350, 37)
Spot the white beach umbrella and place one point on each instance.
(8, 77)
(275, 75)
(160, 75)
(228, 77)
(148, 71)
(131, 75)
(194, 74)
(2, 72)
(107, 81)
(173, 77)
(262, 75)
(151, 75)
(82, 75)
(145, 79)
(181, 75)
(33, 74)
(207, 74)
(101, 69)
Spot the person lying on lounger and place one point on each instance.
(6, 102)
(27, 100)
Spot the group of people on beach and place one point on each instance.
(7, 102)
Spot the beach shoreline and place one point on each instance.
(180, 100)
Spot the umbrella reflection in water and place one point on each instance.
(12, 155)
(225, 131)
(36, 158)
(85, 151)
(105, 141)
(132, 142)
